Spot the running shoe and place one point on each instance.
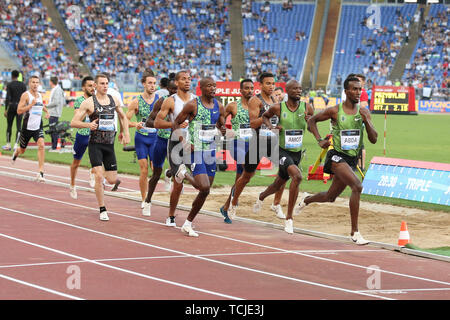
(358, 239)
(147, 209)
(7, 147)
(104, 216)
(289, 226)
(170, 222)
(73, 192)
(299, 208)
(91, 179)
(181, 172)
(116, 185)
(189, 231)
(278, 210)
(40, 177)
(225, 215)
(232, 211)
(257, 206)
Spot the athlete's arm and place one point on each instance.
(151, 118)
(124, 135)
(160, 120)
(254, 105)
(23, 105)
(47, 115)
(221, 122)
(372, 134)
(272, 111)
(85, 109)
(328, 113)
(231, 108)
(309, 111)
(133, 109)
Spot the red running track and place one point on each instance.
(51, 243)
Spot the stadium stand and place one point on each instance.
(370, 50)
(428, 66)
(276, 37)
(27, 32)
(165, 36)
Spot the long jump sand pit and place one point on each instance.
(377, 222)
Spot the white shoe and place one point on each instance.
(179, 176)
(104, 216)
(189, 231)
(73, 192)
(358, 239)
(146, 209)
(299, 208)
(91, 179)
(168, 181)
(232, 211)
(170, 222)
(289, 226)
(278, 210)
(40, 178)
(257, 206)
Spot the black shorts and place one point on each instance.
(287, 159)
(102, 154)
(255, 152)
(26, 135)
(174, 156)
(338, 157)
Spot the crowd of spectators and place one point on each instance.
(27, 29)
(197, 43)
(429, 66)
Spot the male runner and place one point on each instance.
(170, 108)
(31, 104)
(240, 123)
(145, 137)
(348, 120)
(159, 151)
(292, 117)
(205, 115)
(262, 144)
(100, 109)
(81, 138)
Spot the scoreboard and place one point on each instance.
(393, 100)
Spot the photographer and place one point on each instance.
(55, 106)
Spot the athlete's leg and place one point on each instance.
(99, 190)
(41, 153)
(296, 179)
(279, 195)
(174, 197)
(240, 185)
(204, 184)
(73, 171)
(143, 167)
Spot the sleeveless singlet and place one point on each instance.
(293, 125)
(144, 110)
(202, 129)
(347, 132)
(33, 118)
(241, 123)
(105, 132)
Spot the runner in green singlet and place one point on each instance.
(292, 116)
(348, 120)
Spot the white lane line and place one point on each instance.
(193, 256)
(233, 239)
(39, 287)
(120, 269)
(172, 257)
(394, 291)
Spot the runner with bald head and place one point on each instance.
(205, 115)
(292, 116)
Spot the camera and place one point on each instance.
(62, 128)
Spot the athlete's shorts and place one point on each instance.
(102, 154)
(80, 145)
(174, 155)
(255, 154)
(287, 159)
(26, 135)
(338, 157)
(240, 148)
(203, 162)
(144, 146)
(159, 152)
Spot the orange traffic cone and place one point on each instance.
(403, 237)
(58, 146)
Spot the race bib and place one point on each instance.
(145, 129)
(106, 122)
(293, 139)
(207, 133)
(34, 121)
(350, 139)
(245, 131)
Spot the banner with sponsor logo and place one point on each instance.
(392, 99)
(434, 106)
